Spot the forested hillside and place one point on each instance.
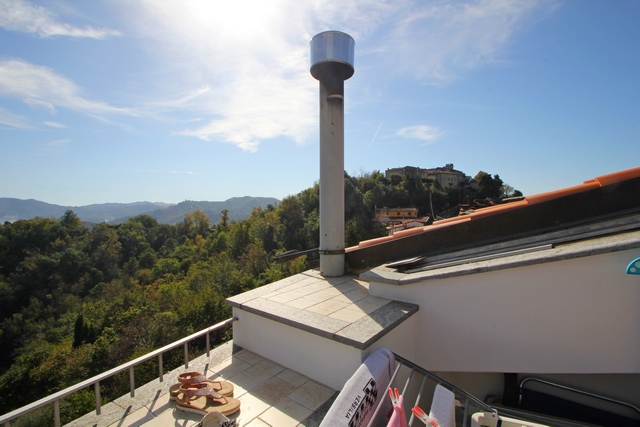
(76, 301)
(115, 213)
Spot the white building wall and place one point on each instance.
(572, 316)
(326, 361)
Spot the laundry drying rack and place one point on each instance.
(417, 385)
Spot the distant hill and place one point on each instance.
(239, 208)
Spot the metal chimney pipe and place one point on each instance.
(332, 55)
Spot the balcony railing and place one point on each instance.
(55, 398)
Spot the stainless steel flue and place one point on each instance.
(332, 63)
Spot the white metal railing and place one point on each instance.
(55, 398)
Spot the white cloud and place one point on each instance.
(39, 103)
(40, 86)
(20, 15)
(10, 119)
(422, 132)
(438, 41)
(182, 101)
(249, 58)
(54, 124)
(263, 108)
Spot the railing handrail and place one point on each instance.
(55, 397)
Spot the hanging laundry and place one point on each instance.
(398, 418)
(443, 407)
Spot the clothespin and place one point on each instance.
(394, 398)
(422, 416)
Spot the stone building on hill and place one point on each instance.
(446, 176)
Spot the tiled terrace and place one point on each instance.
(270, 395)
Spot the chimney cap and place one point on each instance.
(332, 52)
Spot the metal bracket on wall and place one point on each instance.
(331, 252)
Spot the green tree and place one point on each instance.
(489, 187)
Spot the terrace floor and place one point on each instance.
(340, 309)
(270, 395)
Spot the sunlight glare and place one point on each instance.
(236, 19)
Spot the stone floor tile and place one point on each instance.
(251, 407)
(229, 368)
(293, 377)
(348, 315)
(138, 418)
(279, 298)
(160, 404)
(272, 390)
(301, 303)
(175, 418)
(264, 370)
(286, 413)
(256, 422)
(248, 356)
(319, 296)
(332, 305)
(311, 395)
(320, 310)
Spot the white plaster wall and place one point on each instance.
(573, 316)
(323, 360)
(400, 340)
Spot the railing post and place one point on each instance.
(208, 346)
(186, 355)
(96, 392)
(132, 382)
(160, 370)
(56, 413)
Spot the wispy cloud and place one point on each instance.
(248, 61)
(421, 132)
(10, 119)
(249, 58)
(184, 100)
(438, 41)
(54, 124)
(20, 15)
(57, 146)
(40, 86)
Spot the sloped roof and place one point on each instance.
(606, 196)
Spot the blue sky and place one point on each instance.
(172, 100)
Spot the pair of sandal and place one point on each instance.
(196, 393)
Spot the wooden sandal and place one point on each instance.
(190, 378)
(201, 399)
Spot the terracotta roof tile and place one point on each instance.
(597, 182)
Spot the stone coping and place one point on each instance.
(336, 308)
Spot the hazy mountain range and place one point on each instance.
(239, 208)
